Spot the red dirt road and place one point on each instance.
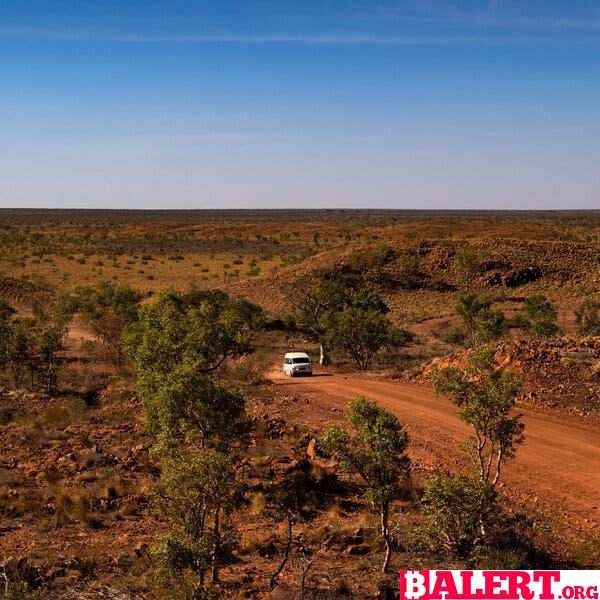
(557, 470)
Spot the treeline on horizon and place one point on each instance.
(76, 216)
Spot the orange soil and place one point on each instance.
(556, 472)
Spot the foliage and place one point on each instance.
(408, 271)
(347, 317)
(461, 512)
(195, 332)
(95, 302)
(30, 347)
(450, 335)
(375, 450)
(198, 492)
(289, 497)
(469, 304)
(466, 520)
(467, 264)
(314, 307)
(486, 396)
(6, 313)
(366, 299)
(107, 308)
(587, 318)
(482, 322)
(370, 259)
(538, 317)
(189, 407)
(491, 325)
(177, 343)
(47, 343)
(383, 267)
(362, 333)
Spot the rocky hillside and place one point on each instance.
(419, 277)
(560, 372)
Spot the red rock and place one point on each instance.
(356, 550)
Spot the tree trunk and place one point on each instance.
(323, 359)
(305, 566)
(385, 532)
(286, 554)
(499, 459)
(216, 548)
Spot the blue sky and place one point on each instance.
(239, 104)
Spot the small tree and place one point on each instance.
(198, 329)
(20, 350)
(95, 303)
(315, 305)
(108, 309)
(468, 305)
(288, 498)
(306, 562)
(467, 265)
(362, 333)
(587, 318)
(486, 396)
(197, 490)
(539, 317)
(189, 407)
(47, 343)
(460, 511)
(347, 317)
(179, 341)
(6, 313)
(408, 272)
(31, 346)
(375, 450)
(482, 322)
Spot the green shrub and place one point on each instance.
(460, 511)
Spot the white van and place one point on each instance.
(297, 363)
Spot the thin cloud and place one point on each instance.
(497, 21)
(495, 17)
(31, 34)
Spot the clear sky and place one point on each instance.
(314, 103)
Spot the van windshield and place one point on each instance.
(303, 360)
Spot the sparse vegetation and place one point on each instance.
(375, 450)
(482, 323)
(362, 329)
(461, 513)
(30, 348)
(538, 317)
(151, 450)
(197, 491)
(486, 396)
(344, 316)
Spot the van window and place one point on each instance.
(303, 360)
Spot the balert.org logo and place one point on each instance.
(499, 585)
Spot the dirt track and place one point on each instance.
(557, 470)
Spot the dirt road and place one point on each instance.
(557, 470)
